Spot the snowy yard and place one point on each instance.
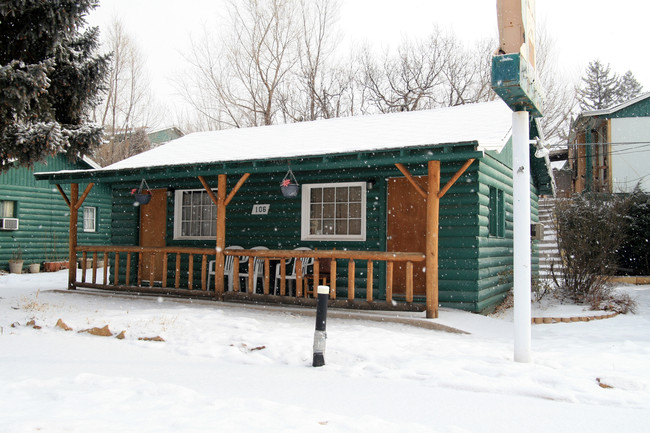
(234, 368)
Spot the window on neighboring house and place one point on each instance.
(497, 216)
(195, 215)
(335, 211)
(7, 209)
(90, 219)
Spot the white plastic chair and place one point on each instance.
(228, 269)
(258, 269)
(306, 262)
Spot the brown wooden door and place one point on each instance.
(407, 216)
(153, 232)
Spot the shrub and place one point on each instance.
(589, 233)
(634, 253)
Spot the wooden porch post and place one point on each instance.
(431, 252)
(72, 241)
(221, 235)
(221, 200)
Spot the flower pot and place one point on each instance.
(142, 198)
(54, 266)
(34, 268)
(290, 190)
(16, 266)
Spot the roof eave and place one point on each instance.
(383, 157)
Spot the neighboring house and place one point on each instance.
(162, 136)
(609, 148)
(369, 208)
(34, 218)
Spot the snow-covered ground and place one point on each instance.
(233, 368)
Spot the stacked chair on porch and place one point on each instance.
(258, 270)
(228, 269)
(291, 275)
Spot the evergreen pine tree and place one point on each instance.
(599, 89)
(628, 88)
(49, 80)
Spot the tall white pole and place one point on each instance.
(521, 234)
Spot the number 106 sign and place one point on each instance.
(260, 209)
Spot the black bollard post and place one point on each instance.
(321, 320)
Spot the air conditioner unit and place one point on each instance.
(9, 224)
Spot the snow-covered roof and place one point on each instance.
(91, 162)
(615, 108)
(487, 123)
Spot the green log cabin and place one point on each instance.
(409, 210)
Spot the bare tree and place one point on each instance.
(560, 101)
(467, 73)
(408, 80)
(128, 106)
(314, 89)
(237, 84)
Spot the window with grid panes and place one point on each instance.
(195, 215)
(90, 219)
(335, 211)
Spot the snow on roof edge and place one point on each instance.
(615, 108)
(487, 123)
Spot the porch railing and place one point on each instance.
(330, 256)
(128, 266)
(184, 271)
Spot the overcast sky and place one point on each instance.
(584, 30)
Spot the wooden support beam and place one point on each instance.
(236, 188)
(455, 177)
(164, 270)
(409, 282)
(389, 283)
(369, 281)
(221, 200)
(333, 278)
(298, 278)
(431, 250)
(208, 190)
(117, 270)
(351, 275)
(267, 276)
(65, 197)
(221, 236)
(177, 275)
(411, 179)
(251, 275)
(204, 266)
(84, 195)
(72, 238)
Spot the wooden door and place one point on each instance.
(406, 229)
(153, 232)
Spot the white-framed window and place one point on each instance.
(7, 209)
(334, 211)
(195, 215)
(90, 219)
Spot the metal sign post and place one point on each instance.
(515, 81)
